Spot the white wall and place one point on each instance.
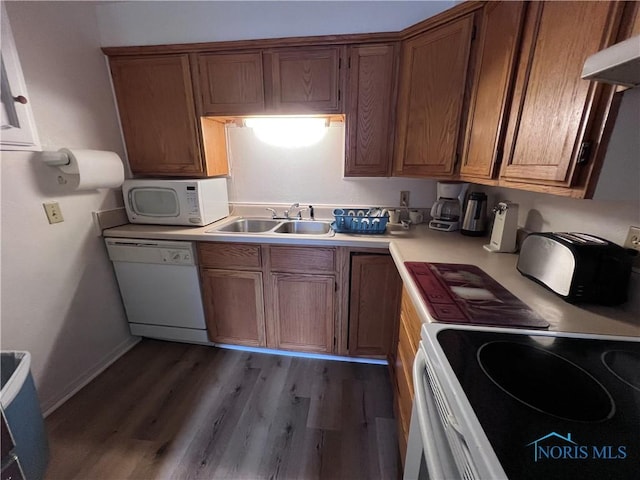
(149, 23)
(59, 296)
(313, 175)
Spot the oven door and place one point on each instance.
(429, 445)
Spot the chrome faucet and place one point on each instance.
(274, 214)
(288, 211)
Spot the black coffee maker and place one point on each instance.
(475, 217)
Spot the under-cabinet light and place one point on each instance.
(288, 132)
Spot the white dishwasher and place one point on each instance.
(160, 288)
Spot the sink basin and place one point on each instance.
(249, 225)
(304, 227)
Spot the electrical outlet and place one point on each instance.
(54, 214)
(404, 198)
(633, 239)
(633, 242)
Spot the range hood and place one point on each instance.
(619, 64)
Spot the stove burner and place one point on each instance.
(545, 381)
(624, 365)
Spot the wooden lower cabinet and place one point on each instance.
(302, 298)
(408, 340)
(233, 292)
(234, 306)
(303, 312)
(373, 305)
(282, 297)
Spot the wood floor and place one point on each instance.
(169, 410)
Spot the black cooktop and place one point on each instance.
(552, 407)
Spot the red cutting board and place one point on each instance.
(459, 293)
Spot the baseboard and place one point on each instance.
(99, 367)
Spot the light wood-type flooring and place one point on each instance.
(169, 410)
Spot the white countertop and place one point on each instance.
(420, 244)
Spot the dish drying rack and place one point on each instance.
(369, 221)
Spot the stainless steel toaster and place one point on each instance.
(580, 268)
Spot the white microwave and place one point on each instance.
(176, 202)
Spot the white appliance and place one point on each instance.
(619, 64)
(505, 228)
(160, 288)
(447, 210)
(195, 202)
(498, 403)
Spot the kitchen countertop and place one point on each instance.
(420, 244)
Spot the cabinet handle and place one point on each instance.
(584, 153)
(20, 99)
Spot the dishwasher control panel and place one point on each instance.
(161, 252)
(176, 256)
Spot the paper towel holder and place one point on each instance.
(69, 163)
(56, 159)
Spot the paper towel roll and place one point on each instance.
(96, 168)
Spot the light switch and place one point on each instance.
(54, 214)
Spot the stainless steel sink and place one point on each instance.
(304, 227)
(248, 225)
(275, 226)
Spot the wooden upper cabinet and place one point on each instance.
(230, 83)
(556, 118)
(370, 108)
(433, 78)
(158, 117)
(304, 80)
(498, 46)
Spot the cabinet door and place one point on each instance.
(230, 84)
(373, 305)
(234, 306)
(304, 80)
(433, 79)
(303, 312)
(370, 107)
(18, 126)
(408, 340)
(157, 112)
(499, 41)
(553, 110)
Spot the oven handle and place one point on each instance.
(423, 408)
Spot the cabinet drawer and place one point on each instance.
(413, 323)
(229, 255)
(302, 259)
(404, 362)
(6, 440)
(403, 369)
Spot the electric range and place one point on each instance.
(528, 404)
